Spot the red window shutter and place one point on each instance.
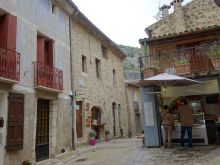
(15, 122)
(40, 49)
(50, 53)
(8, 26)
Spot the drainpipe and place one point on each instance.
(72, 86)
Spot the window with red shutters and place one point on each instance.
(15, 122)
(8, 26)
(44, 51)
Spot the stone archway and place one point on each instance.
(96, 122)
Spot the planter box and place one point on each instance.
(216, 63)
(149, 72)
(183, 69)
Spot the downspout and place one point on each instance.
(72, 86)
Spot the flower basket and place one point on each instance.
(214, 55)
(149, 72)
(182, 66)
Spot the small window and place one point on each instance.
(54, 9)
(113, 76)
(84, 67)
(104, 52)
(98, 68)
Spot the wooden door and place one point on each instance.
(79, 128)
(42, 134)
(15, 122)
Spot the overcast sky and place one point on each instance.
(123, 21)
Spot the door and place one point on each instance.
(79, 128)
(42, 134)
(113, 113)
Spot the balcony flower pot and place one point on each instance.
(149, 72)
(182, 67)
(26, 162)
(92, 135)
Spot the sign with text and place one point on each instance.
(149, 114)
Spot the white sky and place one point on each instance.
(123, 21)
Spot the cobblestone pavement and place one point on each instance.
(126, 152)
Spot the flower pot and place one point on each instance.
(107, 138)
(183, 69)
(149, 72)
(216, 62)
(92, 141)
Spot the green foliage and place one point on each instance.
(130, 51)
(181, 62)
(26, 162)
(92, 133)
(214, 51)
(107, 132)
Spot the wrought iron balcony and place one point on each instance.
(187, 60)
(9, 65)
(47, 77)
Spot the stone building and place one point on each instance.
(50, 56)
(98, 81)
(134, 108)
(186, 43)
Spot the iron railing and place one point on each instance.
(186, 60)
(9, 64)
(47, 76)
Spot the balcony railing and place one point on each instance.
(187, 60)
(9, 65)
(46, 76)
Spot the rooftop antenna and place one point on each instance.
(158, 15)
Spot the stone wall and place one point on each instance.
(197, 14)
(99, 92)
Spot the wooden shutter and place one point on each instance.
(40, 49)
(50, 53)
(8, 26)
(15, 122)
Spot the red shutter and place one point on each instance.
(40, 49)
(8, 26)
(50, 53)
(15, 122)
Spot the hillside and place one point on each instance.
(131, 63)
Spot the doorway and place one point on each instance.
(96, 121)
(113, 114)
(79, 128)
(42, 134)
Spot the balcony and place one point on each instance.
(47, 77)
(9, 66)
(185, 61)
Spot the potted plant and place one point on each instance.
(182, 66)
(107, 133)
(92, 135)
(214, 55)
(26, 162)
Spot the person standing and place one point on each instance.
(167, 122)
(185, 112)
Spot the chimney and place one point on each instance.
(178, 15)
(165, 10)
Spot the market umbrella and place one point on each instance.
(165, 80)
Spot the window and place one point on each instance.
(113, 76)
(54, 9)
(15, 122)
(104, 51)
(45, 50)
(84, 67)
(98, 68)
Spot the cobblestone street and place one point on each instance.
(126, 152)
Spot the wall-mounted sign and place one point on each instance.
(148, 114)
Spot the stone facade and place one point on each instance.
(33, 18)
(135, 117)
(98, 92)
(197, 14)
